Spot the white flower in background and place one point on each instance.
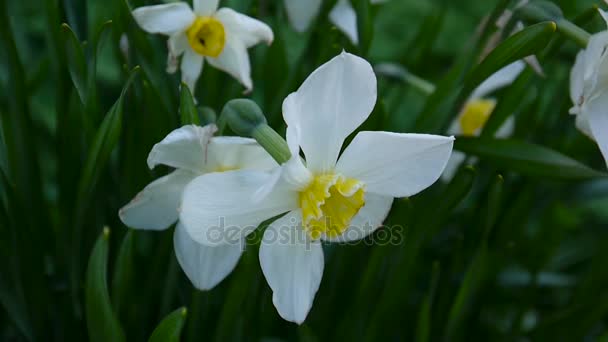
(220, 37)
(477, 110)
(343, 15)
(589, 89)
(192, 151)
(328, 196)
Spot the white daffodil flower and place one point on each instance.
(192, 151)
(589, 89)
(477, 110)
(343, 15)
(219, 36)
(328, 196)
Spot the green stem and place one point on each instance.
(272, 142)
(570, 30)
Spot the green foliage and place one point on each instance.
(513, 247)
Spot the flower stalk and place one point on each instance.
(546, 11)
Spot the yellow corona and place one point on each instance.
(207, 36)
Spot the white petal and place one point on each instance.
(301, 13)
(205, 7)
(604, 15)
(248, 30)
(230, 153)
(577, 79)
(205, 266)
(507, 128)
(393, 164)
(166, 19)
(192, 65)
(582, 124)
(155, 207)
(333, 101)
(234, 60)
(219, 208)
(499, 79)
(598, 122)
(453, 165)
(293, 266)
(184, 148)
(178, 44)
(343, 15)
(367, 220)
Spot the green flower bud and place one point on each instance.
(243, 116)
(246, 118)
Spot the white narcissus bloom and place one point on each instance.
(192, 151)
(328, 196)
(589, 89)
(343, 15)
(477, 110)
(219, 36)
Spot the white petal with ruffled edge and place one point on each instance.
(234, 60)
(250, 31)
(393, 164)
(166, 19)
(219, 208)
(183, 148)
(205, 8)
(343, 15)
(333, 101)
(367, 220)
(293, 266)
(205, 266)
(155, 207)
(192, 66)
(301, 13)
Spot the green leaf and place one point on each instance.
(170, 329)
(77, 65)
(527, 42)
(365, 27)
(104, 142)
(527, 158)
(123, 271)
(187, 108)
(423, 332)
(102, 323)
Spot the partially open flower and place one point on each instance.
(328, 196)
(343, 15)
(192, 151)
(589, 89)
(477, 110)
(220, 37)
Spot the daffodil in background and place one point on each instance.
(589, 89)
(192, 151)
(302, 12)
(219, 36)
(328, 196)
(477, 110)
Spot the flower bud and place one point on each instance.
(246, 118)
(243, 116)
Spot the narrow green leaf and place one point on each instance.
(527, 158)
(102, 323)
(423, 332)
(123, 271)
(76, 62)
(94, 51)
(527, 42)
(187, 108)
(104, 141)
(170, 329)
(365, 25)
(494, 201)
